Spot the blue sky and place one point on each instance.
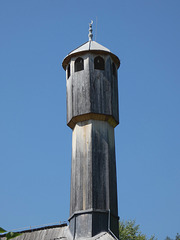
(35, 143)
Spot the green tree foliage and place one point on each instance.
(9, 235)
(128, 230)
(177, 237)
(2, 230)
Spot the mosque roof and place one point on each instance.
(90, 46)
(56, 232)
(44, 233)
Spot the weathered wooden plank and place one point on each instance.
(48, 233)
(92, 91)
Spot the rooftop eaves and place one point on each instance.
(90, 46)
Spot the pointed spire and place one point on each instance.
(90, 35)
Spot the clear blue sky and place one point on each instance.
(35, 143)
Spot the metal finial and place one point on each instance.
(90, 35)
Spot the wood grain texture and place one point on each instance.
(92, 91)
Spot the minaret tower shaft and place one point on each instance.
(92, 114)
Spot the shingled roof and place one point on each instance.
(56, 232)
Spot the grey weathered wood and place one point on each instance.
(47, 233)
(92, 113)
(56, 233)
(93, 177)
(92, 91)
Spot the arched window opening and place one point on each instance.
(99, 63)
(114, 70)
(68, 71)
(79, 64)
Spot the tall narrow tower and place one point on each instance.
(92, 114)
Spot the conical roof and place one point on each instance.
(90, 46)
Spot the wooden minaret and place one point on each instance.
(92, 114)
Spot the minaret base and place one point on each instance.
(90, 223)
(83, 232)
(93, 206)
